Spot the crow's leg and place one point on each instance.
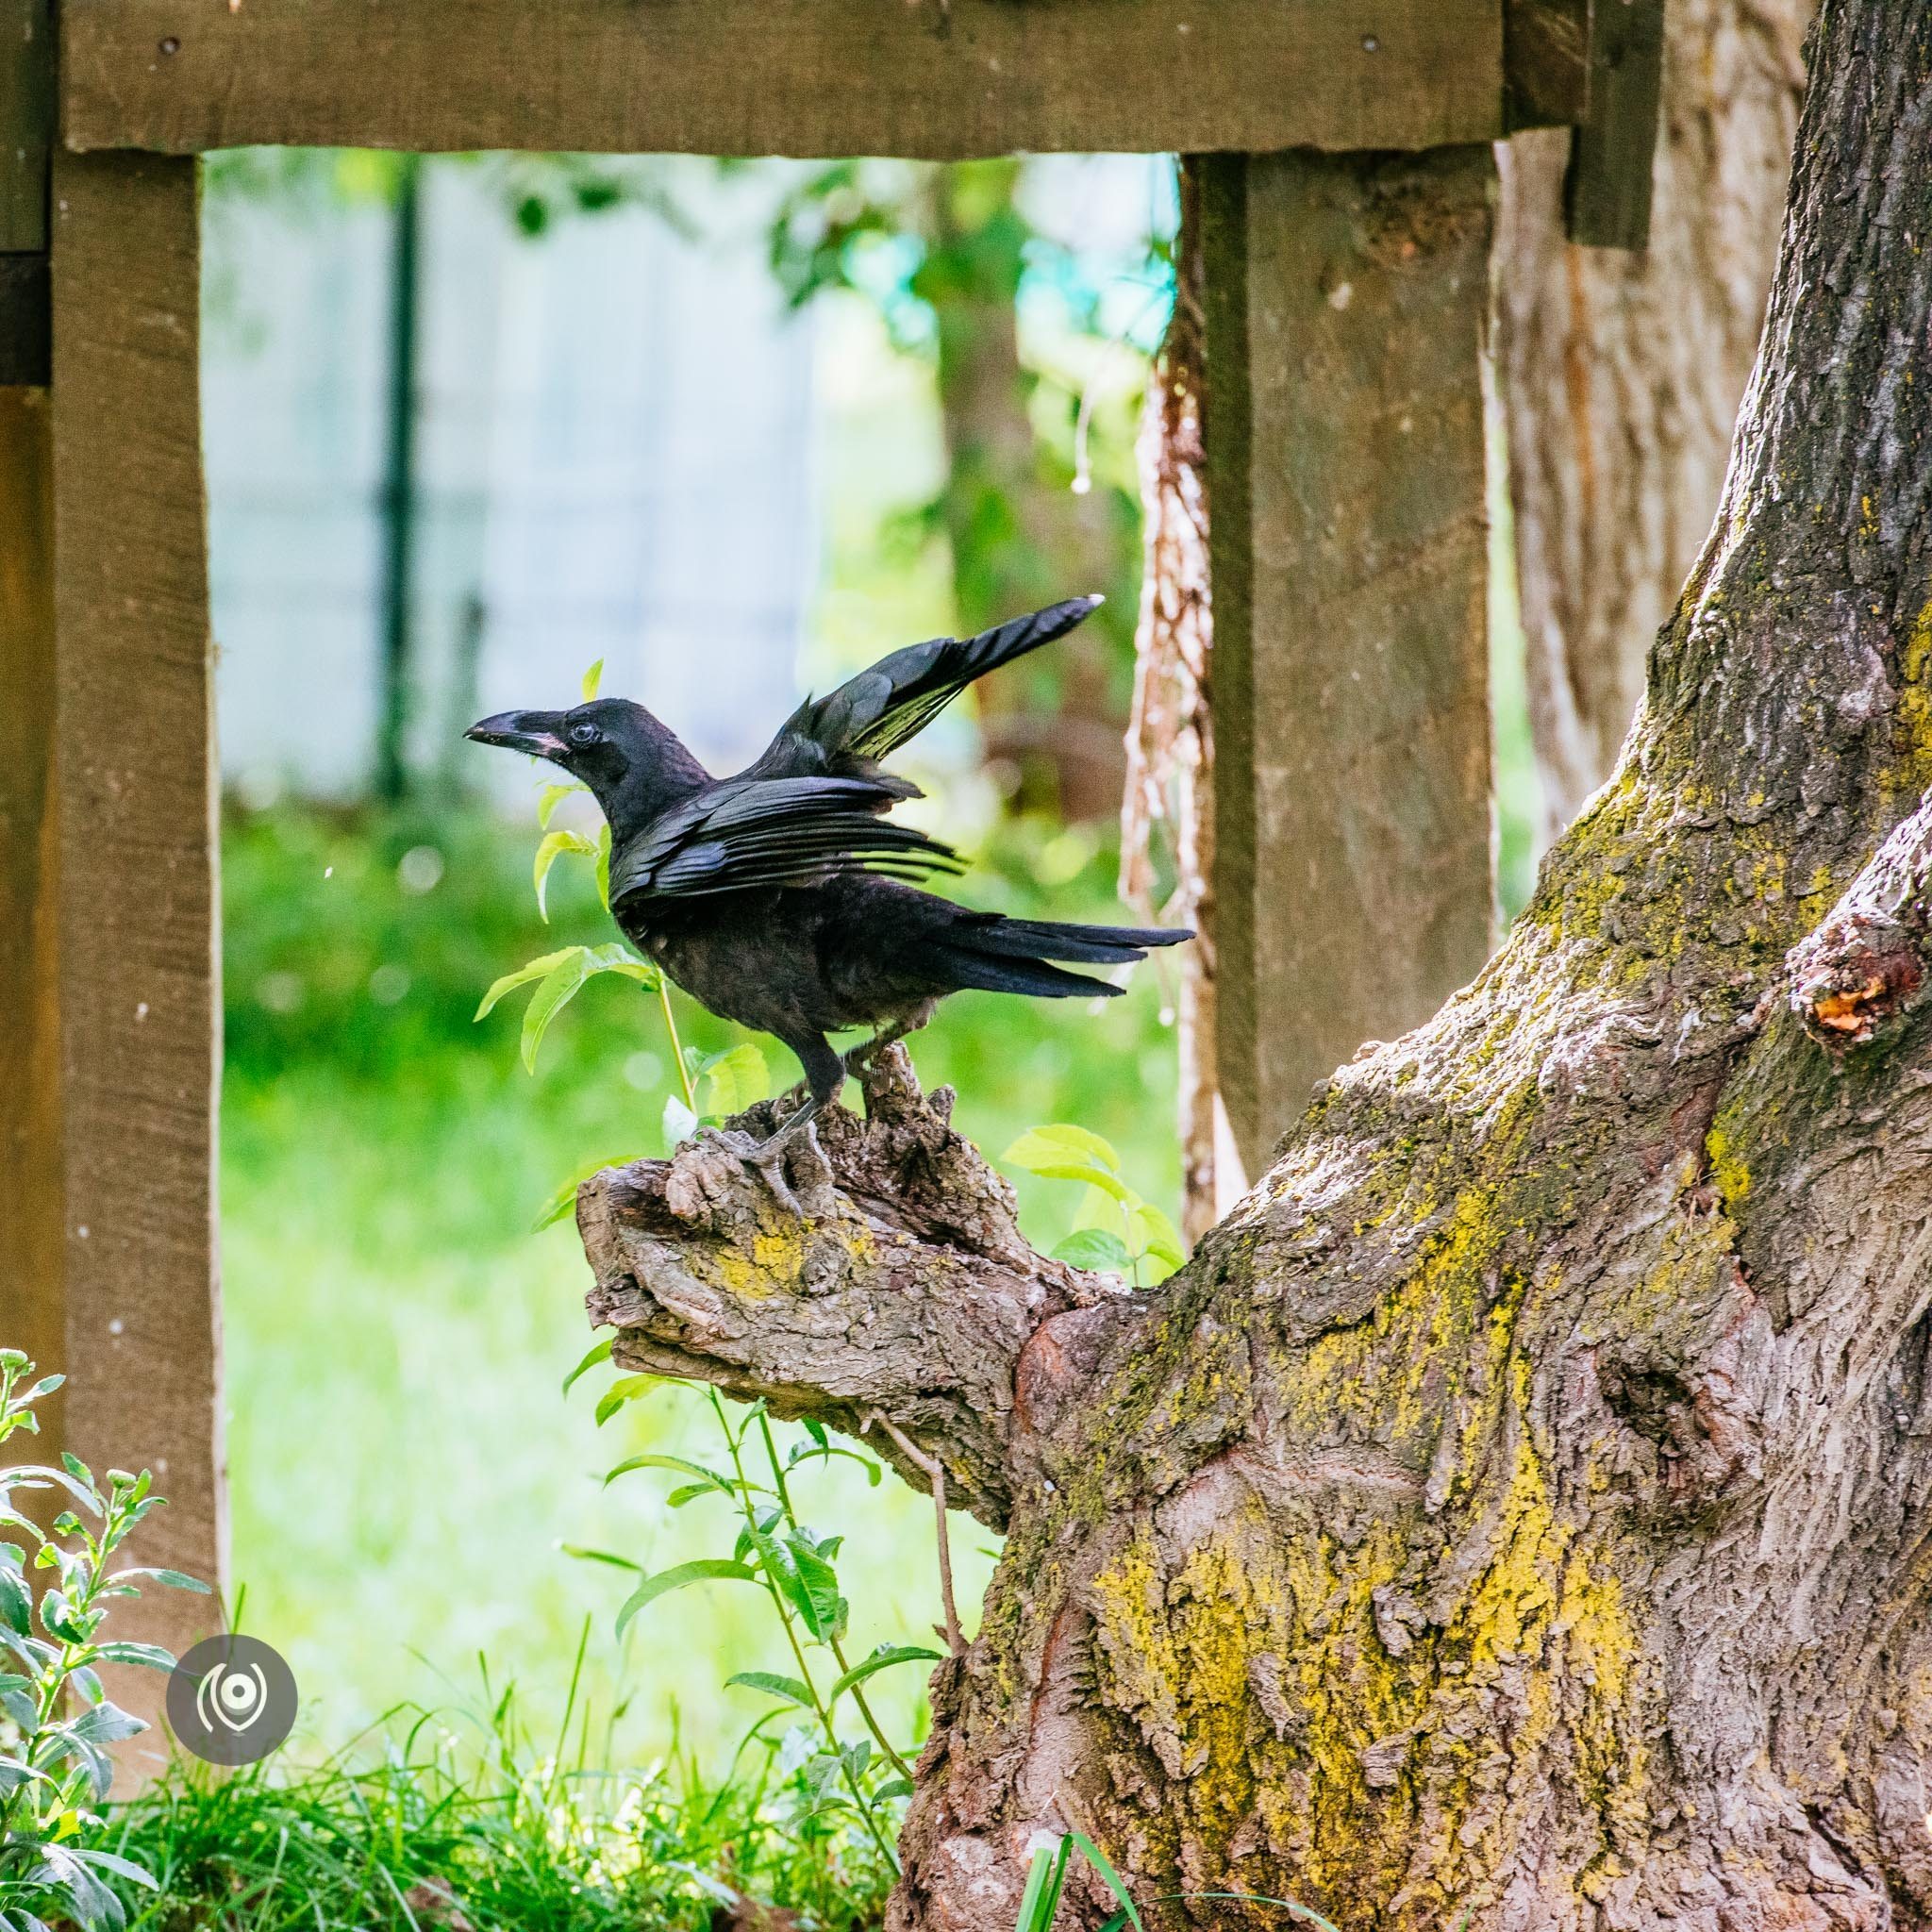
(861, 1057)
(824, 1074)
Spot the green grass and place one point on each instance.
(461, 1817)
(403, 1466)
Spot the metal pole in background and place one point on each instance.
(399, 488)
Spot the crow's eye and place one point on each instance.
(583, 734)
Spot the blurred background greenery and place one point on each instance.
(403, 1467)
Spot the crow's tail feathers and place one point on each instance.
(992, 954)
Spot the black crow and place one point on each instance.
(776, 897)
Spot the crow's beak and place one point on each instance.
(532, 731)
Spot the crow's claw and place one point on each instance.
(766, 1158)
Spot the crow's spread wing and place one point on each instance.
(752, 832)
(869, 716)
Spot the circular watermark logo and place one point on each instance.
(231, 1700)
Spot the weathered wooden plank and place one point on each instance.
(27, 121)
(1607, 191)
(1546, 49)
(937, 78)
(30, 1223)
(137, 975)
(1345, 301)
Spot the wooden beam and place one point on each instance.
(136, 977)
(937, 78)
(31, 1240)
(1606, 190)
(1346, 299)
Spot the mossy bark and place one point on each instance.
(1519, 1507)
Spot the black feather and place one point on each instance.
(869, 716)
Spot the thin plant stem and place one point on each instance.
(935, 1474)
(871, 1723)
(691, 1099)
(804, 1677)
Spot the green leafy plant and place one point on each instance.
(54, 1771)
(558, 977)
(1116, 1228)
(863, 1776)
(1040, 1904)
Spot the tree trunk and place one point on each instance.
(1517, 1513)
(1170, 781)
(1018, 542)
(1621, 374)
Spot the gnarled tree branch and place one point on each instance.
(907, 1292)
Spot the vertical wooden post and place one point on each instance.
(31, 1306)
(138, 982)
(30, 1219)
(1613, 152)
(1346, 302)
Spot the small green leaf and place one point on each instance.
(555, 991)
(593, 677)
(1158, 1236)
(812, 1584)
(736, 1079)
(151, 1655)
(705, 1569)
(172, 1578)
(1100, 1177)
(553, 847)
(604, 865)
(1095, 1249)
(773, 1686)
(122, 1867)
(677, 1462)
(106, 1724)
(586, 1555)
(625, 1388)
(550, 798)
(601, 1352)
(531, 969)
(882, 1659)
(1040, 1149)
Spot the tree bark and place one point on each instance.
(1621, 374)
(1517, 1513)
(1170, 782)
